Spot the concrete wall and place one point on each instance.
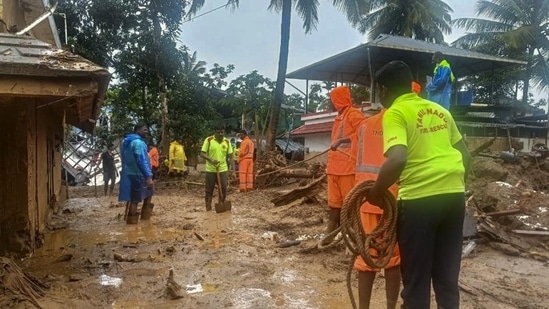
(315, 144)
(30, 169)
(502, 143)
(12, 15)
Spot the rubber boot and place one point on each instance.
(132, 219)
(146, 211)
(208, 204)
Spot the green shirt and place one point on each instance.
(217, 151)
(429, 132)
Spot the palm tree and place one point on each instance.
(426, 20)
(308, 11)
(191, 65)
(522, 24)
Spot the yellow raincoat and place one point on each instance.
(177, 157)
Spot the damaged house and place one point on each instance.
(42, 90)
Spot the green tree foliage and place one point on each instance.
(307, 10)
(522, 25)
(426, 20)
(137, 39)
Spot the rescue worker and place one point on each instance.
(177, 158)
(215, 150)
(136, 182)
(427, 154)
(340, 168)
(109, 169)
(246, 162)
(154, 158)
(439, 90)
(367, 147)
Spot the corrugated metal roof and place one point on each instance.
(289, 146)
(353, 65)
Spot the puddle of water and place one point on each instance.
(105, 280)
(194, 288)
(251, 298)
(146, 272)
(137, 304)
(286, 276)
(69, 238)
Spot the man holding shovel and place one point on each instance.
(215, 150)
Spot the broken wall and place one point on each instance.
(502, 143)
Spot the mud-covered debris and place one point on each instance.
(187, 226)
(170, 250)
(289, 243)
(505, 248)
(64, 258)
(124, 258)
(174, 289)
(20, 283)
(76, 277)
(57, 224)
(269, 235)
(198, 236)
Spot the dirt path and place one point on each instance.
(237, 264)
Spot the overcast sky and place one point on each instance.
(249, 37)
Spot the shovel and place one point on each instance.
(221, 206)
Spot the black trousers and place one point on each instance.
(211, 182)
(430, 236)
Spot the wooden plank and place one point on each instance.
(502, 213)
(527, 232)
(18, 86)
(295, 194)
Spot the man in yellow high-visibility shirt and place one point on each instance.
(215, 150)
(426, 152)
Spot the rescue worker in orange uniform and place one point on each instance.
(367, 146)
(246, 162)
(340, 169)
(154, 158)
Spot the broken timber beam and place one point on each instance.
(527, 232)
(502, 213)
(483, 147)
(295, 194)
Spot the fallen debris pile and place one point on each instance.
(510, 204)
(273, 170)
(19, 283)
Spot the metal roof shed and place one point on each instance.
(358, 64)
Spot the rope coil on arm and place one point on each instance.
(382, 239)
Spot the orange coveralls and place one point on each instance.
(154, 157)
(368, 149)
(246, 164)
(340, 168)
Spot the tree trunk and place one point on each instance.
(161, 83)
(281, 77)
(526, 88)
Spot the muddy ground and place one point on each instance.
(238, 264)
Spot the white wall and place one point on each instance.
(317, 142)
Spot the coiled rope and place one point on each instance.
(382, 239)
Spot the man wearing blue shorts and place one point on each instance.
(136, 182)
